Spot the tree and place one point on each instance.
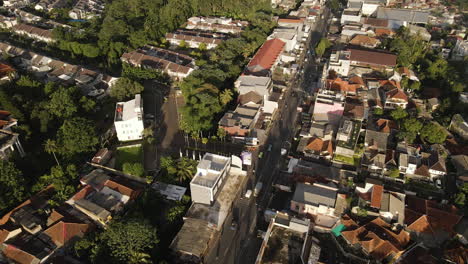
(125, 88)
(61, 102)
(202, 47)
(50, 146)
(183, 44)
(394, 173)
(226, 96)
(433, 133)
(126, 239)
(76, 135)
(398, 113)
(174, 213)
(415, 86)
(64, 181)
(409, 129)
(322, 46)
(12, 185)
(135, 169)
(460, 199)
(362, 212)
(186, 168)
(378, 111)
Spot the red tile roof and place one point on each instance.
(62, 232)
(266, 56)
(125, 190)
(83, 193)
(291, 20)
(363, 40)
(383, 32)
(397, 94)
(343, 86)
(18, 255)
(318, 145)
(386, 125)
(373, 57)
(376, 197)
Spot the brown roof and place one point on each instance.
(251, 96)
(363, 40)
(355, 79)
(378, 239)
(376, 22)
(429, 216)
(62, 232)
(125, 190)
(18, 255)
(376, 198)
(83, 193)
(397, 94)
(386, 125)
(343, 86)
(373, 57)
(267, 54)
(318, 145)
(458, 255)
(383, 32)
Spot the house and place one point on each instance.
(342, 61)
(217, 24)
(86, 9)
(33, 232)
(8, 21)
(49, 5)
(375, 239)
(102, 156)
(364, 41)
(379, 164)
(394, 96)
(286, 241)
(104, 195)
(249, 83)
(429, 221)
(316, 148)
(367, 7)
(128, 119)
(390, 205)
(420, 32)
(376, 140)
(350, 15)
(355, 108)
(213, 218)
(267, 57)
(240, 121)
(408, 16)
(175, 64)
(347, 137)
(33, 32)
(317, 201)
(341, 86)
(195, 38)
(424, 166)
(9, 140)
(459, 126)
(460, 162)
(328, 108)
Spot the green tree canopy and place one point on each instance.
(135, 169)
(409, 129)
(125, 88)
(322, 46)
(76, 135)
(398, 113)
(12, 185)
(433, 133)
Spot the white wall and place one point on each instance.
(129, 130)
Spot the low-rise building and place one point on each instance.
(9, 140)
(195, 38)
(49, 5)
(347, 137)
(258, 84)
(217, 24)
(350, 16)
(128, 119)
(240, 121)
(286, 241)
(460, 50)
(376, 239)
(267, 57)
(174, 64)
(364, 41)
(86, 9)
(40, 34)
(316, 148)
(213, 220)
(317, 201)
(408, 16)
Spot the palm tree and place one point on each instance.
(139, 258)
(185, 169)
(50, 146)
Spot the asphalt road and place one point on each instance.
(283, 128)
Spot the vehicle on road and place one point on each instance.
(260, 155)
(283, 151)
(248, 194)
(269, 148)
(149, 116)
(258, 188)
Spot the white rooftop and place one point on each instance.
(129, 110)
(209, 169)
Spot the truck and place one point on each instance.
(258, 188)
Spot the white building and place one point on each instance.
(249, 83)
(211, 173)
(350, 15)
(129, 119)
